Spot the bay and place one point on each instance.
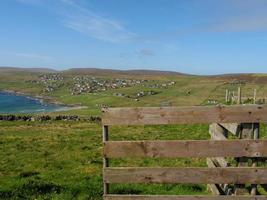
(11, 103)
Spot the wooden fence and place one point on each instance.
(243, 121)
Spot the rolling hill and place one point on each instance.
(94, 87)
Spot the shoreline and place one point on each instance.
(45, 99)
(36, 97)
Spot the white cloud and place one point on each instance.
(99, 28)
(85, 21)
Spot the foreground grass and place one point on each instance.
(63, 160)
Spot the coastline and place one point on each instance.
(36, 97)
(46, 99)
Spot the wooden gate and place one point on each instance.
(218, 174)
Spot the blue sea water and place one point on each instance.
(12, 103)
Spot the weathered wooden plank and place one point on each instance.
(214, 188)
(184, 115)
(220, 162)
(223, 188)
(184, 197)
(217, 132)
(256, 136)
(186, 175)
(234, 128)
(246, 132)
(185, 148)
(105, 138)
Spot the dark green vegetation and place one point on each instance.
(63, 160)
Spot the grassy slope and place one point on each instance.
(62, 160)
(201, 88)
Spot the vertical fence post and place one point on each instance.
(256, 135)
(239, 96)
(247, 132)
(217, 132)
(255, 96)
(226, 96)
(105, 160)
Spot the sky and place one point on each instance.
(188, 36)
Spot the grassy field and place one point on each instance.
(63, 160)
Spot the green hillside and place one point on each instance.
(131, 88)
(63, 160)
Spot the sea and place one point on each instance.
(11, 103)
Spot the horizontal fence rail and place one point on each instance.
(184, 115)
(241, 121)
(186, 148)
(186, 175)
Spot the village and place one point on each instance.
(50, 82)
(78, 85)
(90, 84)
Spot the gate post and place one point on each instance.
(105, 160)
(256, 136)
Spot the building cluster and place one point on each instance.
(137, 95)
(50, 82)
(89, 84)
(212, 101)
(236, 82)
(163, 85)
(140, 94)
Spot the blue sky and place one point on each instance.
(190, 36)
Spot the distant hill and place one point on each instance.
(257, 78)
(91, 71)
(31, 70)
(97, 71)
(124, 88)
